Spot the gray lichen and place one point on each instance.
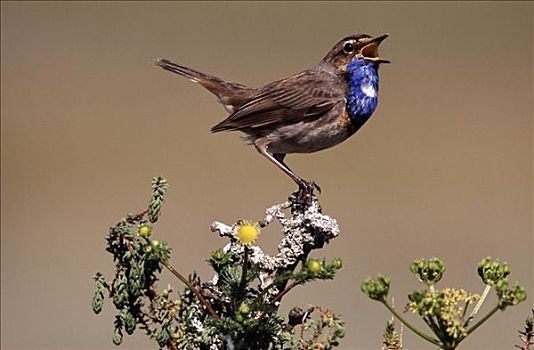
(303, 230)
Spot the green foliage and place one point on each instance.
(429, 272)
(236, 310)
(445, 311)
(527, 334)
(117, 333)
(377, 288)
(316, 327)
(392, 338)
(317, 269)
(219, 260)
(98, 297)
(159, 187)
(492, 272)
(138, 260)
(509, 296)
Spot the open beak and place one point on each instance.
(370, 51)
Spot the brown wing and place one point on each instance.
(308, 94)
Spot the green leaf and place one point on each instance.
(117, 334)
(98, 297)
(159, 187)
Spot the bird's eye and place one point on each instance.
(348, 48)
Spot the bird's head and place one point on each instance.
(355, 47)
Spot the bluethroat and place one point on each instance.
(307, 112)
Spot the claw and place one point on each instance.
(308, 186)
(316, 186)
(305, 192)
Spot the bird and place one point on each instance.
(315, 109)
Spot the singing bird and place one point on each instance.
(306, 112)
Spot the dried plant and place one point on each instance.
(445, 311)
(238, 307)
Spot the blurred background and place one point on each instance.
(443, 168)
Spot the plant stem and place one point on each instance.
(285, 291)
(269, 286)
(244, 271)
(175, 272)
(465, 309)
(137, 217)
(278, 297)
(482, 320)
(434, 326)
(410, 326)
(193, 289)
(478, 305)
(528, 342)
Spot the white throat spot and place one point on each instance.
(369, 90)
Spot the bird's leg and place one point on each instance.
(280, 158)
(298, 180)
(305, 187)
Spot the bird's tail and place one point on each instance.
(231, 95)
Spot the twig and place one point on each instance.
(482, 320)
(478, 305)
(137, 217)
(410, 326)
(527, 343)
(244, 271)
(193, 289)
(278, 297)
(465, 309)
(285, 291)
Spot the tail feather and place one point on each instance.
(231, 95)
(189, 73)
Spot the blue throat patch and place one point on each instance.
(363, 96)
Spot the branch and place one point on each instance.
(193, 289)
(244, 272)
(478, 305)
(411, 327)
(482, 320)
(280, 295)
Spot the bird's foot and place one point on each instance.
(308, 186)
(304, 196)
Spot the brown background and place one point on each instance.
(444, 167)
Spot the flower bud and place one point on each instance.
(376, 289)
(492, 272)
(429, 272)
(337, 263)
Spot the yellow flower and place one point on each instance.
(314, 266)
(243, 309)
(247, 232)
(144, 231)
